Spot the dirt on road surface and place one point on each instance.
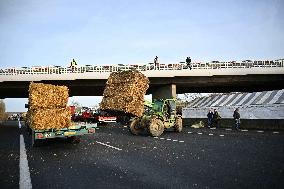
(113, 158)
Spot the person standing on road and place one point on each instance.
(216, 118)
(19, 120)
(237, 119)
(210, 118)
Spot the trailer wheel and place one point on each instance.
(178, 124)
(74, 139)
(134, 127)
(156, 127)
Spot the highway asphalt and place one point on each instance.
(113, 158)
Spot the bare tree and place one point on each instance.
(187, 97)
(184, 99)
(3, 114)
(75, 103)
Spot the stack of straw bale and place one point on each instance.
(48, 106)
(124, 93)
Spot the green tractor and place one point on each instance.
(157, 117)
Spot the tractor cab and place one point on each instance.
(157, 106)
(164, 108)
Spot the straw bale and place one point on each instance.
(47, 96)
(56, 118)
(124, 92)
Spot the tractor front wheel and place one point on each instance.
(156, 127)
(178, 124)
(134, 126)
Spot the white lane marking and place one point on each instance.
(156, 137)
(199, 133)
(162, 138)
(244, 130)
(181, 141)
(275, 132)
(175, 140)
(169, 139)
(25, 177)
(210, 134)
(213, 128)
(20, 125)
(221, 135)
(228, 129)
(108, 145)
(260, 131)
(125, 126)
(189, 132)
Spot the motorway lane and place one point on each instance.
(234, 160)
(9, 155)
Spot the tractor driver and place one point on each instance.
(168, 109)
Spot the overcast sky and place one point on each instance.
(41, 32)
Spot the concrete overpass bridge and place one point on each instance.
(166, 80)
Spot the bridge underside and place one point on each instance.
(158, 86)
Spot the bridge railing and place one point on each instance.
(150, 66)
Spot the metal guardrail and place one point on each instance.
(151, 66)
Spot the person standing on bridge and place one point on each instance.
(156, 62)
(188, 62)
(73, 65)
(237, 119)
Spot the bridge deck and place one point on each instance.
(224, 77)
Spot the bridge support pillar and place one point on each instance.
(165, 91)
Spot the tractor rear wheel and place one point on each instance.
(134, 126)
(156, 127)
(178, 124)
